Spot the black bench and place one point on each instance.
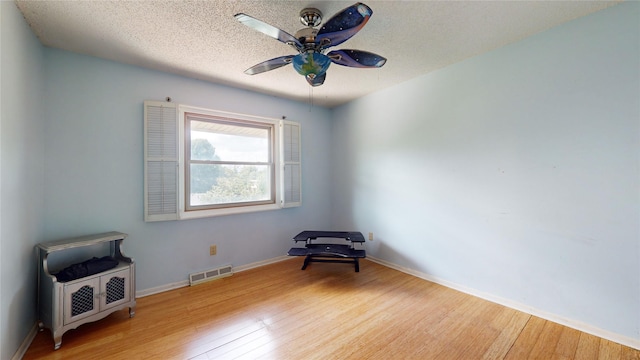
(333, 253)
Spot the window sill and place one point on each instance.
(197, 214)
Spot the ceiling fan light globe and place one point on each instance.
(311, 63)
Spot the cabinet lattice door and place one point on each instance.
(114, 289)
(81, 300)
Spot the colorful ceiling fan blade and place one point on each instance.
(268, 30)
(343, 25)
(269, 65)
(356, 58)
(316, 80)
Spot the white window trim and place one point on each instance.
(279, 157)
(182, 214)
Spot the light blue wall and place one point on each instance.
(94, 168)
(21, 175)
(514, 173)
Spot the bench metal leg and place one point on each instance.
(307, 259)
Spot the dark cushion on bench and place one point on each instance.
(86, 268)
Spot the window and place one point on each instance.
(201, 162)
(228, 162)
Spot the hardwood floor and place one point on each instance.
(325, 312)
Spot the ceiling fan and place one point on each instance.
(312, 60)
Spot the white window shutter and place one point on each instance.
(291, 164)
(160, 161)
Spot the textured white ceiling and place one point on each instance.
(201, 39)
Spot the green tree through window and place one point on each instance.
(233, 185)
(203, 177)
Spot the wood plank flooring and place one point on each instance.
(327, 311)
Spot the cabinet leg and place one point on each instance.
(58, 342)
(57, 338)
(132, 311)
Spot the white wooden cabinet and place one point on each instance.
(66, 305)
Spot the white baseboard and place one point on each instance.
(574, 324)
(26, 343)
(184, 283)
(161, 288)
(260, 263)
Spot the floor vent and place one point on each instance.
(208, 275)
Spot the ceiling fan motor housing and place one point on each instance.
(307, 36)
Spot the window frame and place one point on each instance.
(271, 162)
(183, 212)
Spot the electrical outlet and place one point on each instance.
(213, 249)
(370, 236)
